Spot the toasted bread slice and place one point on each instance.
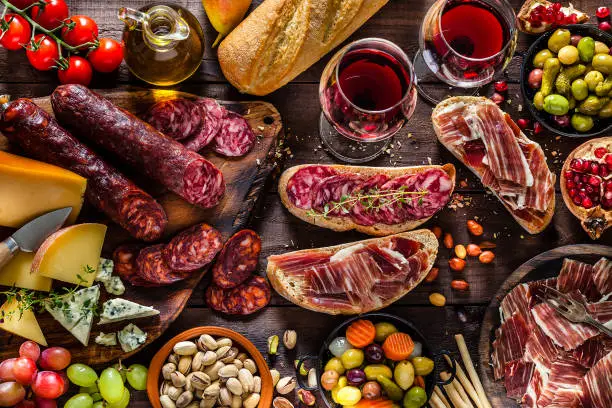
(530, 226)
(524, 14)
(346, 223)
(292, 288)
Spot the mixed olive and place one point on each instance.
(573, 79)
(376, 364)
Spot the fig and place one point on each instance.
(586, 185)
(225, 15)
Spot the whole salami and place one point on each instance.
(150, 266)
(214, 114)
(124, 259)
(300, 184)
(236, 138)
(245, 299)
(178, 118)
(192, 248)
(137, 143)
(238, 259)
(41, 137)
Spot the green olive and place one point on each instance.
(592, 79)
(352, 358)
(541, 57)
(601, 48)
(404, 374)
(591, 105)
(538, 101)
(416, 397)
(384, 330)
(606, 111)
(335, 364)
(602, 63)
(559, 39)
(422, 365)
(586, 49)
(374, 370)
(604, 88)
(580, 90)
(568, 55)
(582, 123)
(572, 102)
(556, 105)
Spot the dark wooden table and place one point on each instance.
(298, 103)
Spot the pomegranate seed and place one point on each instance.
(608, 159)
(497, 98)
(584, 178)
(602, 12)
(603, 171)
(556, 6)
(589, 189)
(594, 181)
(537, 128)
(570, 184)
(571, 19)
(609, 185)
(523, 123)
(576, 199)
(608, 195)
(577, 179)
(587, 203)
(536, 17)
(540, 9)
(594, 167)
(576, 164)
(572, 192)
(604, 26)
(585, 165)
(568, 174)
(501, 86)
(600, 152)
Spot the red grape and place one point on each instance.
(11, 393)
(48, 384)
(24, 370)
(6, 370)
(44, 402)
(29, 349)
(55, 359)
(66, 381)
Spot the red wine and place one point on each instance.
(474, 30)
(372, 79)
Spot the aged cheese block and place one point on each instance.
(18, 273)
(72, 254)
(22, 323)
(29, 188)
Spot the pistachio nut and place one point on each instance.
(236, 402)
(163, 388)
(209, 358)
(250, 365)
(199, 394)
(251, 401)
(212, 391)
(303, 371)
(197, 364)
(229, 356)
(281, 402)
(228, 371)
(193, 404)
(225, 397)
(184, 399)
(242, 356)
(234, 386)
(312, 378)
(199, 380)
(188, 384)
(224, 341)
(213, 370)
(207, 342)
(246, 379)
(257, 384)
(174, 392)
(222, 351)
(306, 397)
(290, 339)
(272, 345)
(166, 402)
(185, 348)
(286, 385)
(174, 359)
(184, 365)
(168, 369)
(275, 376)
(178, 379)
(208, 403)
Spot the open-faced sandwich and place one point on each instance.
(513, 167)
(538, 16)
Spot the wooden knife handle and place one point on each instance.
(7, 249)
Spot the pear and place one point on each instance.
(225, 15)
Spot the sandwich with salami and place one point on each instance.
(373, 200)
(490, 144)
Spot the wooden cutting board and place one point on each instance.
(245, 178)
(543, 266)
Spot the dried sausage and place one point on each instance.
(41, 137)
(360, 213)
(236, 138)
(124, 259)
(238, 259)
(245, 299)
(327, 193)
(192, 248)
(137, 143)
(299, 186)
(178, 118)
(150, 266)
(214, 114)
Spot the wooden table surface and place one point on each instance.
(416, 144)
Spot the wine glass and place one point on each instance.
(367, 93)
(464, 43)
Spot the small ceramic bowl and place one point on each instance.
(585, 30)
(244, 345)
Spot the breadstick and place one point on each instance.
(467, 385)
(469, 366)
(462, 393)
(440, 394)
(452, 392)
(436, 402)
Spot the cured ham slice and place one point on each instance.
(577, 276)
(562, 389)
(540, 349)
(593, 350)
(517, 301)
(509, 344)
(602, 275)
(561, 331)
(601, 311)
(597, 384)
(517, 375)
(534, 389)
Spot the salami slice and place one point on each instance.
(245, 299)
(150, 266)
(238, 259)
(193, 248)
(178, 118)
(213, 114)
(299, 186)
(361, 214)
(124, 259)
(330, 190)
(236, 138)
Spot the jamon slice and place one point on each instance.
(561, 331)
(597, 384)
(593, 350)
(577, 276)
(534, 389)
(509, 344)
(516, 378)
(540, 349)
(517, 301)
(563, 386)
(601, 311)
(602, 276)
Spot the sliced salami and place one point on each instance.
(299, 186)
(238, 259)
(363, 212)
(235, 138)
(203, 183)
(330, 190)
(213, 114)
(150, 266)
(245, 299)
(177, 118)
(124, 259)
(192, 248)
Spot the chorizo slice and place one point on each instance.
(235, 138)
(238, 259)
(150, 266)
(248, 298)
(192, 248)
(177, 118)
(124, 259)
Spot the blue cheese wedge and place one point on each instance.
(75, 311)
(112, 284)
(118, 309)
(106, 339)
(115, 286)
(131, 337)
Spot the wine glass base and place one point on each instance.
(348, 150)
(431, 88)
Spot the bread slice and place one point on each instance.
(346, 223)
(292, 289)
(531, 227)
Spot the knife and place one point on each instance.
(31, 236)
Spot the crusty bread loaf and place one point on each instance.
(282, 38)
(346, 223)
(530, 227)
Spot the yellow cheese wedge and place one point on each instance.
(72, 254)
(29, 188)
(22, 324)
(17, 273)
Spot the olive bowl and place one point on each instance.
(547, 120)
(404, 326)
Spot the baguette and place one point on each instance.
(282, 38)
(346, 223)
(535, 222)
(293, 288)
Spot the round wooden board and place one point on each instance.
(545, 265)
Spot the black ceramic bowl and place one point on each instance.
(404, 326)
(585, 30)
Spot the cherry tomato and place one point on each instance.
(78, 71)
(51, 15)
(80, 30)
(42, 52)
(18, 33)
(21, 4)
(107, 57)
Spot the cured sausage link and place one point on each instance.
(137, 143)
(41, 137)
